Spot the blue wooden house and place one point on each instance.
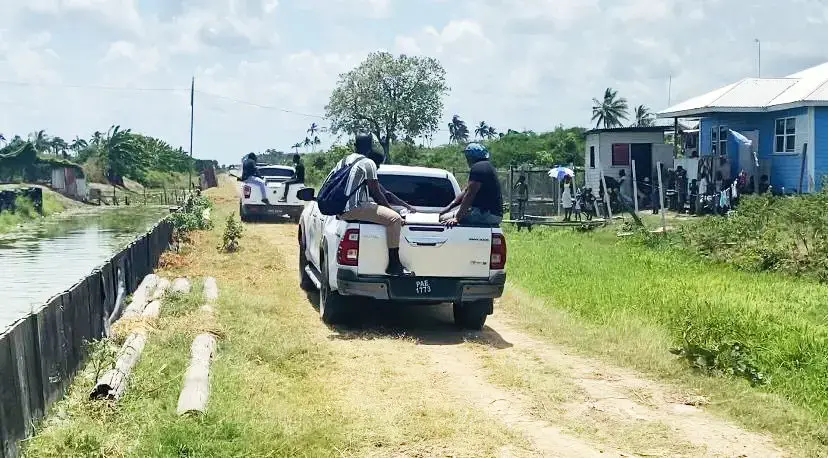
(785, 119)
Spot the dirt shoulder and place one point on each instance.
(403, 382)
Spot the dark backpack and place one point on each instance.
(332, 198)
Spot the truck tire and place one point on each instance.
(305, 281)
(472, 315)
(242, 215)
(333, 307)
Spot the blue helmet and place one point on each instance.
(476, 152)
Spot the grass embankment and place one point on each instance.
(632, 303)
(282, 383)
(25, 211)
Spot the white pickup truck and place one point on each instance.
(346, 260)
(250, 198)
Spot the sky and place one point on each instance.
(264, 69)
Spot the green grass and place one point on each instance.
(638, 302)
(25, 212)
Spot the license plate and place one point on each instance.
(422, 287)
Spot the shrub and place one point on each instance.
(190, 217)
(233, 231)
(767, 233)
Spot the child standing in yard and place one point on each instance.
(579, 204)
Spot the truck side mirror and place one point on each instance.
(306, 194)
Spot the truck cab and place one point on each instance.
(346, 260)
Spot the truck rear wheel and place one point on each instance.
(333, 307)
(244, 217)
(472, 315)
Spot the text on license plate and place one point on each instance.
(422, 287)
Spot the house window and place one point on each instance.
(592, 157)
(620, 154)
(785, 136)
(714, 140)
(722, 141)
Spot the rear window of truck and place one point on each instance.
(420, 191)
(266, 172)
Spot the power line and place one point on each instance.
(258, 105)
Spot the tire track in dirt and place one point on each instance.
(466, 377)
(633, 398)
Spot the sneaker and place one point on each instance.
(265, 201)
(283, 199)
(399, 271)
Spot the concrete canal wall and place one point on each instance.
(41, 352)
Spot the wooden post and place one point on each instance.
(511, 192)
(606, 191)
(635, 187)
(661, 200)
(196, 390)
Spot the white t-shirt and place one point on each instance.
(360, 173)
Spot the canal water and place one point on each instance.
(47, 258)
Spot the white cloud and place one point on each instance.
(514, 63)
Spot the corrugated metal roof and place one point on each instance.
(805, 88)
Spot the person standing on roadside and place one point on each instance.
(298, 176)
(481, 203)
(522, 191)
(251, 175)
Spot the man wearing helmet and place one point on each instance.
(362, 183)
(481, 203)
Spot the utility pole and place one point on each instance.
(192, 119)
(758, 57)
(669, 89)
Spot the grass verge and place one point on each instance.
(282, 383)
(630, 303)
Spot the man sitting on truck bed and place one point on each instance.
(298, 176)
(481, 203)
(251, 175)
(362, 182)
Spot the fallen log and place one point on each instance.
(210, 294)
(181, 286)
(142, 296)
(112, 384)
(196, 390)
(161, 289)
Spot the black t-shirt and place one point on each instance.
(300, 172)
(488, 198)
(249, 169)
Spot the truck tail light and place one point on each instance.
(246, 191)
(348, 252)
(497, 260)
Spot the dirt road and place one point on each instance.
(546, 401)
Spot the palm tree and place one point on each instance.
(316, 141)
(296, 147)
(59, 146)
(643, 117)
(491, 132)
(39, 140)
(307, 143)
(78, 144)
(97, 137)
(313, 129)
(122, 153)
(458, 131)
(610, 111)
(482, 130)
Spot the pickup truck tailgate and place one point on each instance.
(428, 248)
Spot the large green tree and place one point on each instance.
(610, 111)
(390, 97)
